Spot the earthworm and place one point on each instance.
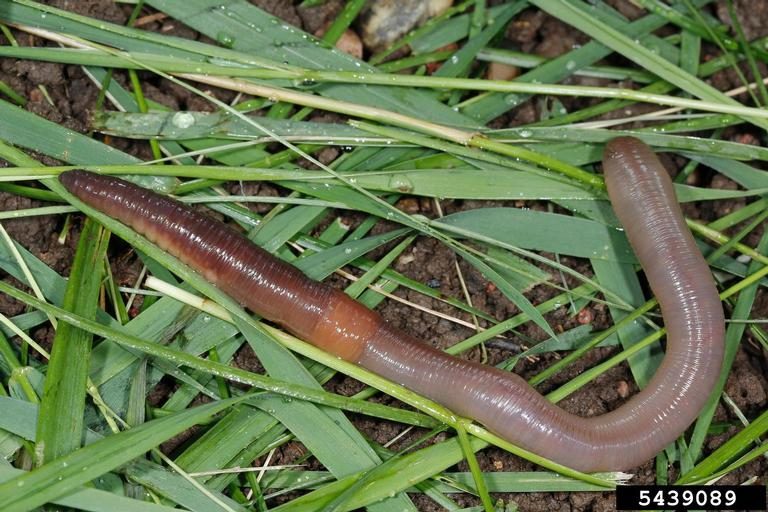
(643, 198)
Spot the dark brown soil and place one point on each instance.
(426, 261)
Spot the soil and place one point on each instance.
(73, 98)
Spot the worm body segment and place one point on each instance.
(642, 196)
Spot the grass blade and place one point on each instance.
(60, 424)
(59, 477)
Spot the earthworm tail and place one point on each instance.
(642, 195)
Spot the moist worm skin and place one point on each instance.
(642, 195)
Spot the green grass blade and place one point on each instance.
(397, 474)
(59, 477)
(462, 60)
(256, 32)
(60, 424)
(24, 129)
(542, 231)
(733, 336)
(489, 106)
(623, 282)
(728, 451)
(321, 264)
(19, 417)
(216, 448)
(219, 369)
(95, 500)
(173, 486)
(575, 13)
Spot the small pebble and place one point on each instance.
(349, 42)
(585, 316)
(499, 71)
(385, 21)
